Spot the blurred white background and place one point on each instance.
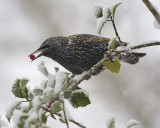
(134, 93)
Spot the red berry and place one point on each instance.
(49, 105)
(32, 56)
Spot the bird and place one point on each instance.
(80, 52)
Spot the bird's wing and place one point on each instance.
(91, 39)
(88, 38)
(103, 40)
(98, 40)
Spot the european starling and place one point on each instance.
(79, 53)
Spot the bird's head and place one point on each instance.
(49, 48)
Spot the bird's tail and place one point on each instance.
(131, 58)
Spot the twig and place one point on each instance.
(115, 29)
(64, 111)
(78, 124)
(47, 110)
(152, 10)
(27, 99)
(58, 114)
(71, 120)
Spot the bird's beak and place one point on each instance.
(39, 52)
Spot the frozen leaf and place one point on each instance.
(36, 103)
(48, 94)
(113, 66)
(44, 118)
(79, 99)
(111, 123)
(30, 96)
(32, 120)
(113, 11)
(11, 109)
(22, 121)
(61, 78)
(38, 92)
(19, 118)
(67, 94)
(25, 108)
(42, 68)
(102, 19)
(98, 10)
(132, 123)
(51, 81)
(19, 88)
(103, 13)
(112, 44)
(56, 107)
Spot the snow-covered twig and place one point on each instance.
(64, 111)
(152, 10)
(86, 76)
(154, 43)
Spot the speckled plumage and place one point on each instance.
(76, 53)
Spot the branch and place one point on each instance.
(152, 10)
(86, 76)
(64, 111)
(89, 73)
(78, 124)
(156, 43)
